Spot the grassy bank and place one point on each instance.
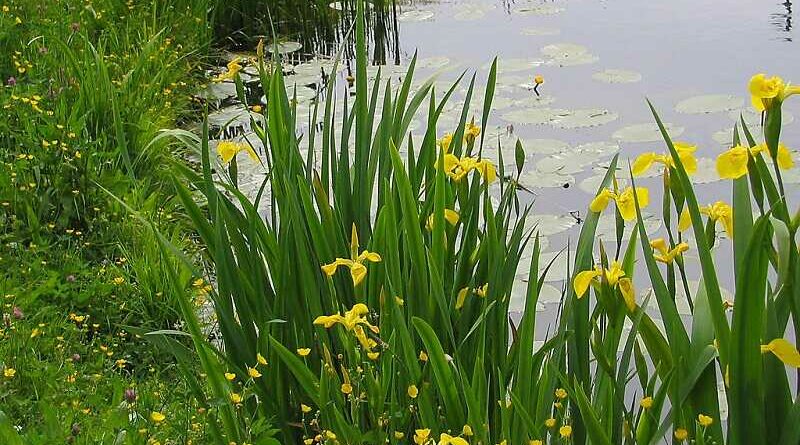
(85, 88)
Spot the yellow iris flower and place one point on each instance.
(446, 439)
(233, 68)
(451, 216)
(665, 254)
(445, 142)
(719, 211)
(732, 164)
(685, 153)
(615, 277)
(227, 150)
(471, 132)
(356, 261)
(785, 351)
(458, 168)
(767, 91)
(624, 200)
(354, 321)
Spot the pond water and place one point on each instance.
(599, 60)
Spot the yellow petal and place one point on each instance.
(732, 164)
(369, 256)
(643, 163)
(727, 223)
(626, 204)
(327, 321)
(785, 160)
(462, 295)
(659, 244)
(487, 170)
(330, 269)
(784, 350)
(451, 216)
(358, 271)
(689, 162)
(600, 202)
(685, 220)
(583, 280)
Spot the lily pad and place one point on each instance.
(284, 47)
(433, 62)
(724, 137)
(617, 76)
(534, 116)
(598, 148)
(533, 100)
(539, 10)
(591, 117)
(710, 103)
(646, 132)
(510, 65)
(561, 49)
(544, 146)
(550, 224)
(539, 31)
(573, 60)
(537, 179)
(470, 12)
(706, 172)
(591, 184)
(415, 16)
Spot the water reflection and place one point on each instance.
(783, 21)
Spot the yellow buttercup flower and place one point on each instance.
(229, 376)
(303, 352)
(458, 168)
(561, 393)
(346, 388)
(412, 391)
(785, 351)
(665, 254)
(233, 68)
(227, 150)
(236, 398)
(551, 422)
(615, 277)
(647, 402)
(681, 434)
(356, 261)
(768, 91)
(423, 356)
(704, 420)
(9, 373)
(451, 216)
(565, 431)
(685, 153)
(157, 417)
(399, 435)
(305, 408)
(260, 359)
(446, 439)
(625, 201)
(467, 431)
(535, 442)
(422, 436)
(719, 211)
(253, 372)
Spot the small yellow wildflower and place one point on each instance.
(412, 391)
(305, 408)
(253, 372)
(399, 435)
(647, 402)
(625, 201)
(373, 355)
(9, 373)
(535, 442)
(681, 434)
(423, 356)
(685, 153)
(704, 420)
(229, 376)
(303, 352)
(422, 436)
(538, 79)
(665, 254)
(467, 431)
(565, 431)
(561, 393)
(330, 435)
(157, 417)
(236, 398)
(550, 423)
(446, 439)
(347, 388)
(260, 359)
(119, 280)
